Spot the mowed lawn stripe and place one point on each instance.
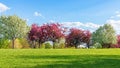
(59, 58)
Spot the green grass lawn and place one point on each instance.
(59, 58)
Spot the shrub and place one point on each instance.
(56, 45)
(42, 46)
(61, 45)
(4, 43)
(48, 46)
(24, 43)
(96, 45)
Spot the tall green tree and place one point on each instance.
(105, 35)
(12, 27)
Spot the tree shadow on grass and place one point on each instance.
(106, 63)
(75, 61)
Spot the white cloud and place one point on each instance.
(51, 21)
(37, 14)
(115, 24)
(72, 24)
(92, 25)
(3, 7)
(112, 17)
(84, 26)
(115, 21)
(79, 24)
(117, 12)
(118, 15)
(27, 19)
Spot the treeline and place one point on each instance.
(15, 33)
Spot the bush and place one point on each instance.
(24, 43)
(97, 45)
(48, 46)
(56, 45)
(42, 46)
(4, 43)
(61, 45)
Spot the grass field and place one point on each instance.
(59, 58)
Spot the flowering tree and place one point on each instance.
(46, 32)
(52, 32)
(118, 42)
(32, 35)
(77, 36)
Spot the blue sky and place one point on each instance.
(96, 12)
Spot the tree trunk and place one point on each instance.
(13, 43)
(53, 46)
(39, 45)
(75, 46)
(106, 45)
(88, 45)
(34, 46)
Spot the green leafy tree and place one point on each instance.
(12, 27)
(105, 35)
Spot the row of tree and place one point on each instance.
(13, 27)
(47, 32)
